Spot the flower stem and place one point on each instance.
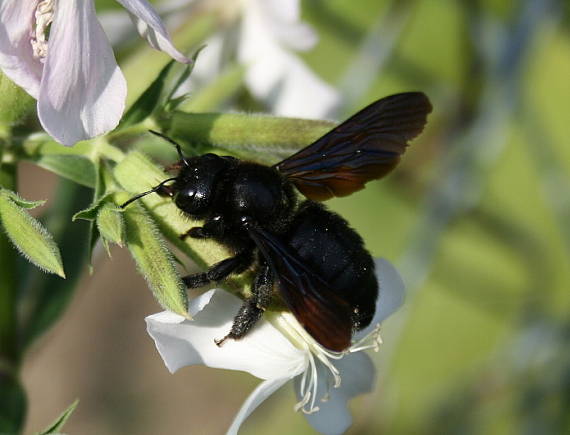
(8, 280)
(240, 132)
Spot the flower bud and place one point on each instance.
(15, 104)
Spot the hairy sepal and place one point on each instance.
(27, 234)
(154, 260)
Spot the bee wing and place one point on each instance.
(365, 147)
(324, 315)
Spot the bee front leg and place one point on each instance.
(196, 233)
(212, 228)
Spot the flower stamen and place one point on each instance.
(44, 17)
(372, 340)
(316, 353)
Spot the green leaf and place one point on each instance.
(40, 145)
(48, 296)
(58, 423)
(12, 402)
(213, 95)
(170, 102)
(90, 213)
(154, 260)
(158, 96)
(29, 236)
(23, 202)
(148, 101)
(75, 168)
(111, 224)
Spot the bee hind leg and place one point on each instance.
(246, 318)
(252, 308)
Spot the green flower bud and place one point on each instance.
(15, 104)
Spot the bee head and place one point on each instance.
(195, 188)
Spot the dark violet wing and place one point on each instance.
(323, 314)
(365, 147)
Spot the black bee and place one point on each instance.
(318, 263)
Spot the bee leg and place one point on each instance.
(263, 287)
(252, 308)
(247, 316)
(211, 228)
(221, 270)
(196, 280)
(196, 233)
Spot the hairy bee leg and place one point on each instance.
(246, 318)
(263, 287)
(219, 271)
(253, 307)
(196, 280)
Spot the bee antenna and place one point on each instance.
(140, 195)
(176, 144)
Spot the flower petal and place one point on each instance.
(264, 351)
(82, 93)
(256, 398)
(278, 76)
(286, 83)
(302, 93)
(283, 19)
(358, 377)
(391, 294)
(17, 60)
(150, 26)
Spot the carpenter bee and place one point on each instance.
(314, 259)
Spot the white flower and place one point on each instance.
(72, 72)
(265, 38)
(278, 350)
(270, 30)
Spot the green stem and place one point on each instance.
(133, 130)
(8, 280)
(240, 132)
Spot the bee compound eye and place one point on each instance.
(193, 200)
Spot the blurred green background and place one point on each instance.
(477, 219)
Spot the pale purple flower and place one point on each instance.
(72, 72)
(278, 350)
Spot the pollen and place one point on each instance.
(44, 17)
